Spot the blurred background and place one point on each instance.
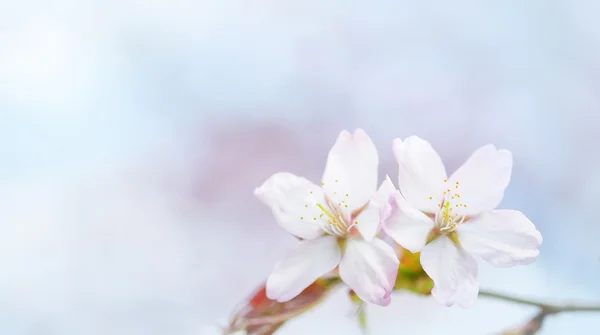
(132, 134)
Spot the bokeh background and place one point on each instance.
(132, 134)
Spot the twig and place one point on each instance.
(547, 309)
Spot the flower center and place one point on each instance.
(448, 216)
(336, 219)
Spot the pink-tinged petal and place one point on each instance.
(370, 269)
(384, 192)
(502, 237)
(310, 260)
(453, 271)
(408, 226)
(293, 201)
(370, 218)
(367, 223)
(482, 180)
(350, 176)
(385, 203)
(421, 173)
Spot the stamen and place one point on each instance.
(446, 218)
(326, 211)
(335, 224)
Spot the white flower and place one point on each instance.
(338, 223)
(451, 219)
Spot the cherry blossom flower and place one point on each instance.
(450, 220)
(337, 222)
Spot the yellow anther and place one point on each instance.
(302, 218)
(445, 180)
(430, 197)
(337, 181)
(346, 194)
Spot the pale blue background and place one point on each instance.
(132, 134)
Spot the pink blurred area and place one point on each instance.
(240, 157)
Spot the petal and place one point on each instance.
(382, 196)
(502, 237)
(453, 271)
(369, 218)
(421, 173)
(408, 226)
(310, 260)
(370, 269)
(350, 175)
(293, 201)
(482, 179)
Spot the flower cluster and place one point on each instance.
(448, 220)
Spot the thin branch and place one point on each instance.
(547, 309)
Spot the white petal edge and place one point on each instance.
(385, 190)
(502, 237)
(293, 201)
(351, 170)
(370, 270)
(302, 266)
(453, 271)
(482, 179)
(421, 173)
(406, 225)
(370, 219)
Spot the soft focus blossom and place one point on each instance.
(451, 219)
(338, 222)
